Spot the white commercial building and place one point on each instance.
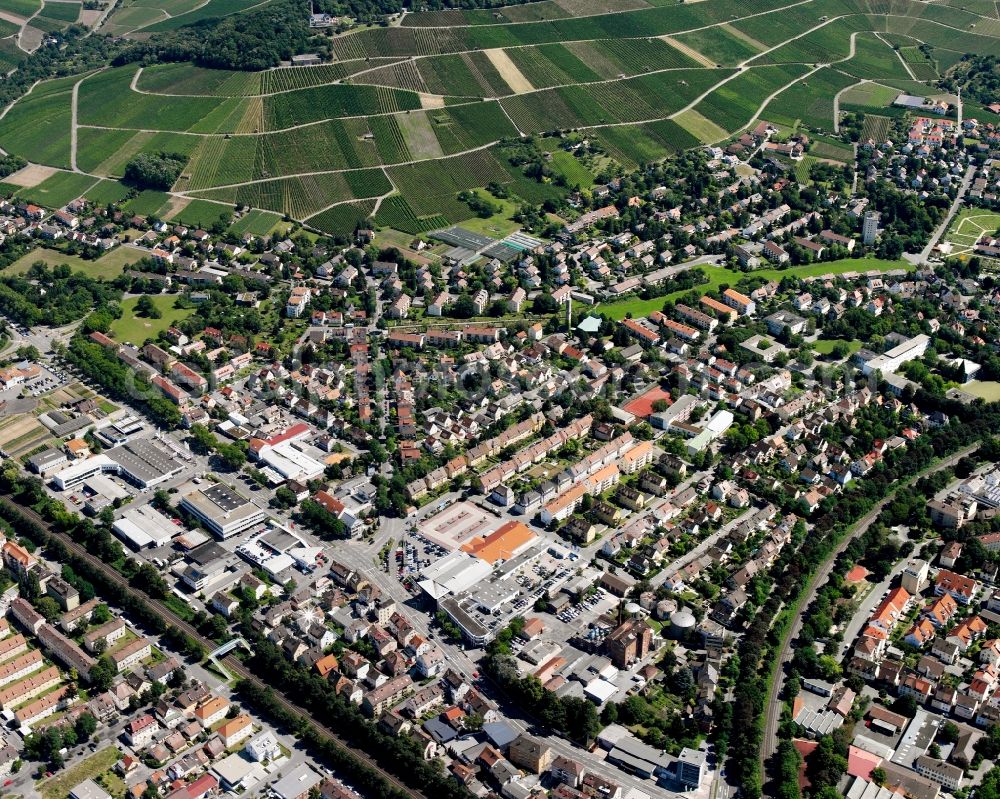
(453, 574)
(145, 527)
(75, 474)
(891, 361)
(290, 460)
(224, 512)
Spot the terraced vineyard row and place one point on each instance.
(631, 24)
(644, 78)
(301, 197)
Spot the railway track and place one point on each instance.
(232, 663)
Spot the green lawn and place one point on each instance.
(719, 275)
(572, 169)
(824, 346)
(969, 225)
(989, 390)
(135, 329)
(497, 226)
(108, 266)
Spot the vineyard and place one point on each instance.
(406, 117)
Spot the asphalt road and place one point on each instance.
(956, 204)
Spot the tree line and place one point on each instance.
(402, 756)
(793, 569)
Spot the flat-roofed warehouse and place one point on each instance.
(224, 512)
(144, 527)
(146, 462)
(635, 757)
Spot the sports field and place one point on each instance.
(408, 116)
(824, 346)
(989, 390)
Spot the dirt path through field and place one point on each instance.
(690, 52)
(508, 71)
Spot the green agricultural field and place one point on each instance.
(105, 192)
(210, 10)
(405, 117)
(719, 45)
(832, 149)
(257, 223)
(136, 329)
(60, 189)
(810, 101)
(38, 126)
(869, 95)
(343, 219)
(734, 105)
(10, 54)
(186, 78)
(21, 8)
(61, 12)
(201, 214)
(146, 203)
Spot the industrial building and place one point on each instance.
(145, 463)
(144, 527)
(224, 512)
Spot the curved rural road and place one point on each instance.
(836, 103)
(27, 22)
(773, 707)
